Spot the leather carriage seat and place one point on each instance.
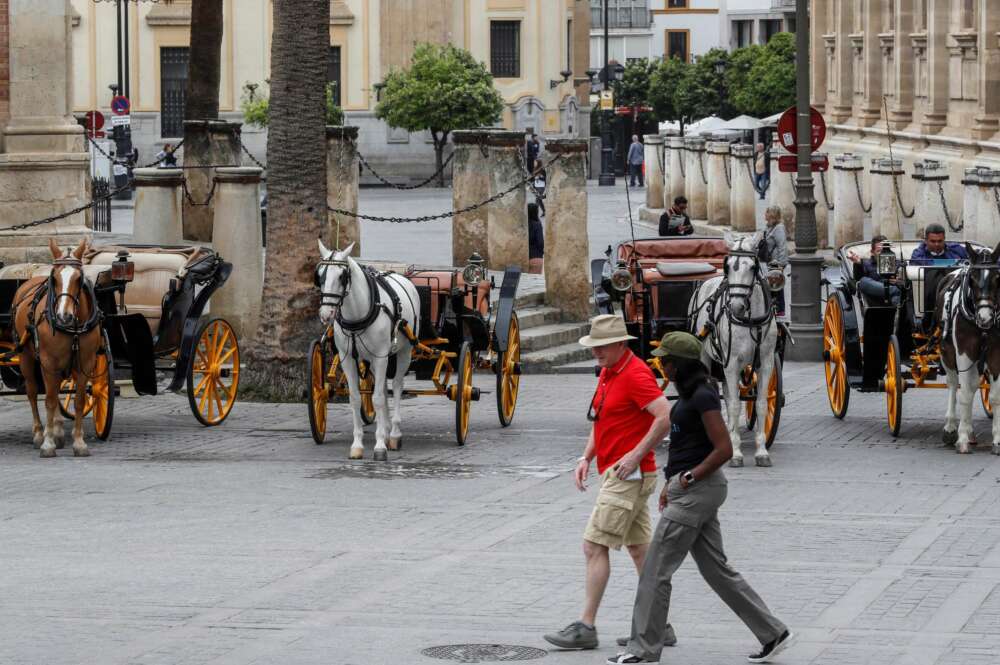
(441, 283)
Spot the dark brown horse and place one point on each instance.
(57, 326)
(968, 309)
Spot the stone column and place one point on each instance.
(567, 246)
(848, 215)
(988, 210)
(987, 119)
(654, 170)
(930, 176)
(470, 185)
(237, 239)
(903, 59)
(824, 203)
(742, 197)
(678, 173)
(665, 151)
(158, 207)
(696, 181)
(719, 183)
(43, 158)
(936, 102)
(342, 188)
(507, 217)
(887, 217)
(205, 142)
(970, 203)
(781, 192)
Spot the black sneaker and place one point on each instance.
(772, 649)
(623, 658)
(577, 635)
(669, 638)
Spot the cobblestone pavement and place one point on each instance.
(248, 544)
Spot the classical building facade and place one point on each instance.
(525, 43)
(928, 70)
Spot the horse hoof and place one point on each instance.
(381, 455)
(47, 452)
(395, 443)
(962, 449)
(60, 444)
(736, 462)
(996, 449)
(762, 460)
(357, 453)
(949, 438)
(81, 452)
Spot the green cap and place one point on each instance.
(679, 345)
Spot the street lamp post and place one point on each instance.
(607, 177)
(807, 265)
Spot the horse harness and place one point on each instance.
(965, 306)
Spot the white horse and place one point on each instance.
(736, 311)
(368, 311)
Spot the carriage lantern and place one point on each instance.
(122, 270)
(621, 278)
(475, 270)
(886, 261)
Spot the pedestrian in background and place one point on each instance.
(629, 417)
(534, 149)
(636, 153)
(761, 167)
(774, 249)
(689, 522)
(166, 158)
(536, 241)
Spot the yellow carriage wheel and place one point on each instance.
(462, 392)
(367, 383)
(318, 391)
(838, 389)
(984, 394)
(775, 402)
(894, 384)
(509, 373)
(214, 372)
(99, 399)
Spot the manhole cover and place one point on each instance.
(483, 653)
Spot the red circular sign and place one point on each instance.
(788, 130)
(120, 105)
(93, 120)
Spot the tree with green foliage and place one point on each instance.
(256, 107)
(633, 89)
(703, 91)
(444, 89)
(664, 81)
(768, 85)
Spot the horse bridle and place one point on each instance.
(744, 292)
(52, 299)
(326, 297)
(965, 295)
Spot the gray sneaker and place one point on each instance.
(577, 635)
(669, 638)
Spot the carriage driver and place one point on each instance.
(867, 277)
(629, 417)
(934, 247)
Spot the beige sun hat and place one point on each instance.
(606, 329)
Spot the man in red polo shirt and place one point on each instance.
(630, 417)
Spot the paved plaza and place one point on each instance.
(248, 544)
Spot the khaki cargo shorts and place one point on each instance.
(621, 515)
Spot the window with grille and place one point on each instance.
(173, 87)
(505, 49)
(677, 44)
(743, 31)
(333, 72)
(621, 14)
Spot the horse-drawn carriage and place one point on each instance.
(873, 344)
(463, 327)
(151, 301)
(696, 284)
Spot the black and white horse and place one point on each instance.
(368, 311)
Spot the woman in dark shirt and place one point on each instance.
(690, 501)
(536, 240)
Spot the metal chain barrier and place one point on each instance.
(701, 166)
(450, 213)
(996, 196)
(899, 198)
(190, 199)
(681, 162)
(246, 151)
(944, 207)
(726, 170)
(68, 213)
(660, 159)
(157, 161)
(857, 187)
(826, 197)
(521, 160)
(381, 178)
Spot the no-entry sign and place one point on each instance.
(93, 121)
(788, 130)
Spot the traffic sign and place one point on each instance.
(120, 105)
(93, 121)
(788, 130)
(790, 163)
(121, 120)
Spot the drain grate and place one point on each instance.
(483, 653)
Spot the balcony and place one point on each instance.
(620, 18)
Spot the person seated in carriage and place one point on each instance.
(935, 248)
(870, 283)
(675, 221)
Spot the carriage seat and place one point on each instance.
(442, 283)
(685, 269)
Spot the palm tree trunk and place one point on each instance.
(440, 141)
(201, 100)
(296, 216)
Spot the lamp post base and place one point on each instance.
(806, 327)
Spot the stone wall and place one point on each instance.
(4, 67)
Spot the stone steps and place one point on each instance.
(546, 360)
(538, 338)
(533, 316)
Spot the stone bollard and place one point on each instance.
(848, 214)
(988, 212)
(567, 246)
(781, 193)
(238, 240)
(677, 170)
(930, 176)
(887, 216)
(158, 207)
(342, 176)
(205, 142)
(470, 185)
(824, 206)
(507, 217)
(970, 204)
(653, 158)
(666, 202)
(720, 183)
(696, 182)
(742, 197)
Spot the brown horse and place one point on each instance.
(57, 326)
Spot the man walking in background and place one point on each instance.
(635, 159)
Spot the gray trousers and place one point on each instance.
(690, 523)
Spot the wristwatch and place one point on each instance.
(688, 477)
